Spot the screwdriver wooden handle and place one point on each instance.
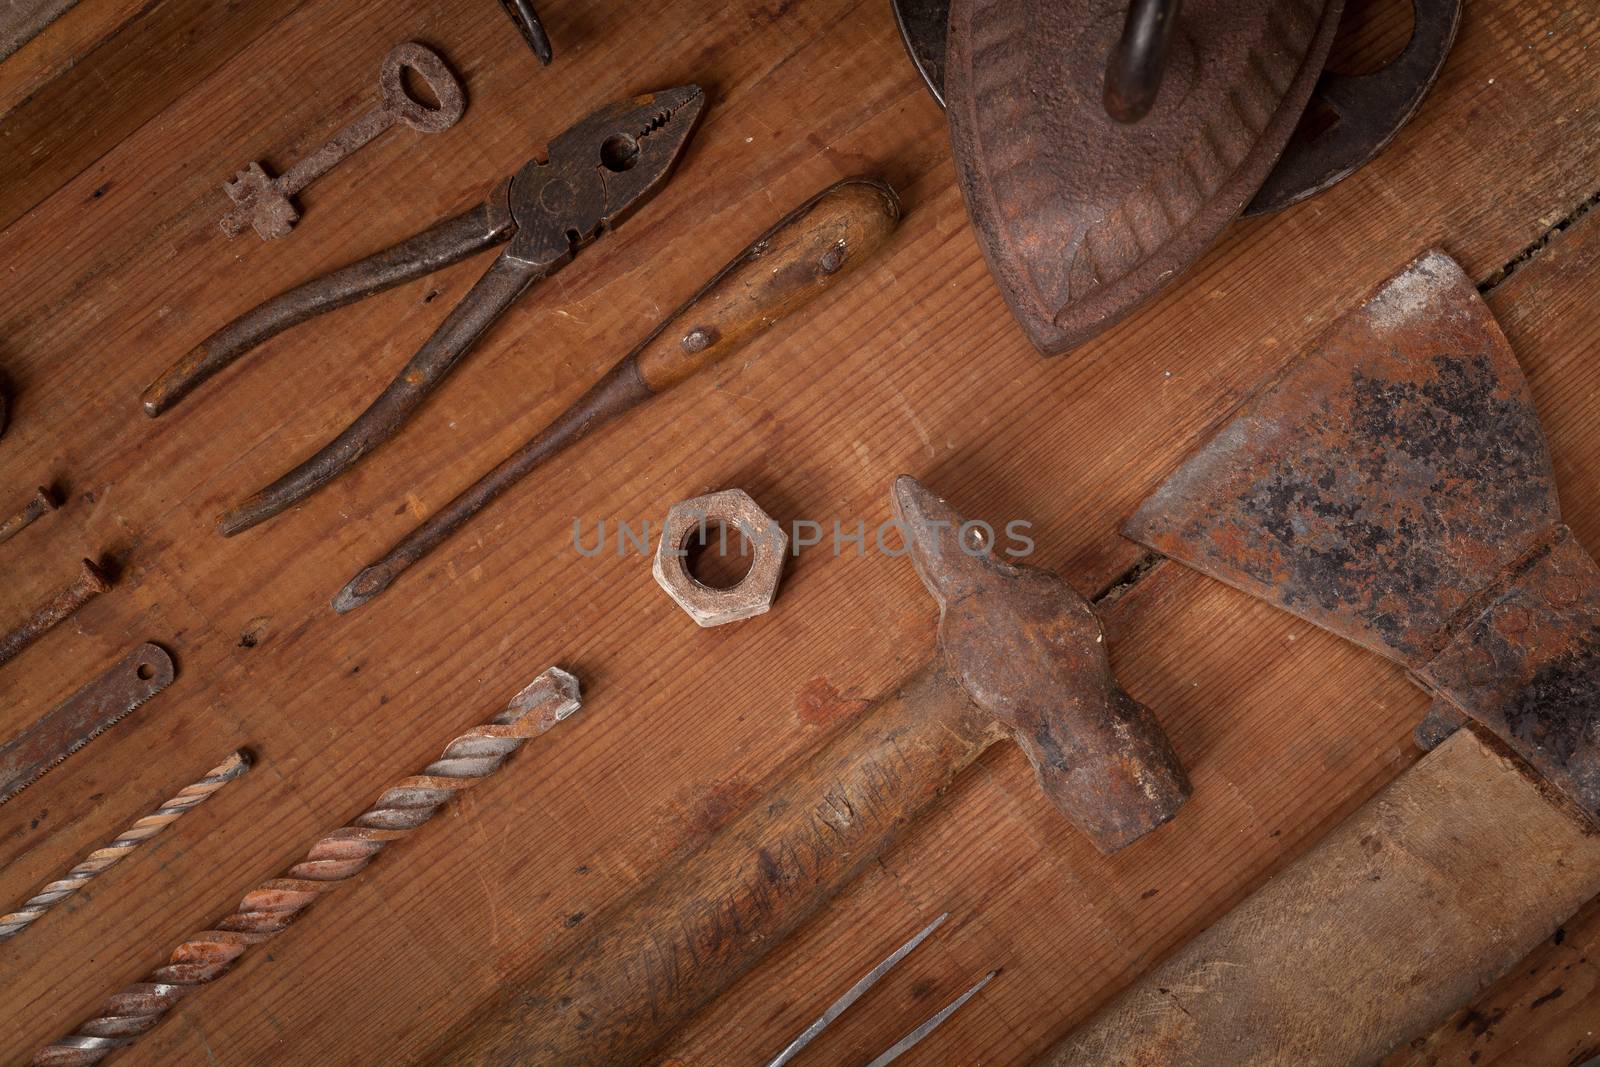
(803, 256)
(798, 259)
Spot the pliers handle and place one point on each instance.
(597, 172)
(435, 248)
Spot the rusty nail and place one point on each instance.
(43, 501)
(91, 582)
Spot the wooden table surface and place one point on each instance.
(119, 123)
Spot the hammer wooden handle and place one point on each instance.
(703, 923)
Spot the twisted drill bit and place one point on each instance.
(103, 859)
(337, 857)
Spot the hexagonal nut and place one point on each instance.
(732, 509)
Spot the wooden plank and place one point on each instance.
(60, 45)
(914, 367)
(1541, 1013)
(125, 79)
(1443, 880)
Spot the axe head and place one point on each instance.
(1393, 486)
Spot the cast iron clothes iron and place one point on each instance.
(1103, 147)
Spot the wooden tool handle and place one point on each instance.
(690, 934)
(809, 250)
(1438, 885)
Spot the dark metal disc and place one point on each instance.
(1369, 108)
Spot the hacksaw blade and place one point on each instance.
(82, 717)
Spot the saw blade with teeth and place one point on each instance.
(82, 717)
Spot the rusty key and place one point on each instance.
(265, 203)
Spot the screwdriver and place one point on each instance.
(782, 271)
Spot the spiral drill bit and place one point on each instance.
(336, 858)
(103, 859)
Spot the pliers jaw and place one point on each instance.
(599, 171)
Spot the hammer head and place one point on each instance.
(1030, 651)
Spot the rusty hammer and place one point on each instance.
(1021, 655)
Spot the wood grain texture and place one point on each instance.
(165, 50)
(1541, 1013)
(1439, 884)
(114, 266)
(23, 20)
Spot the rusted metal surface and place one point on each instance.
(531, 28)
(1030, 651)
(1528, 666)
(435, 248)
(266, 203)
(806, 253)
(1368, 110)
(1081, 221)
(1139, 58)
(82, 717)
(598, 171)
(103, 859)
(41, 503)
(1022, 655)
(746, 528)
(1081, 217)
(1394, 487)
(923, 25)
(90, 583)
(336, 858)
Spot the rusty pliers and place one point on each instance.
(596, 173)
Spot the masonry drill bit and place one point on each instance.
(103, 859)
(336, 858)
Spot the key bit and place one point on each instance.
(265, 202)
